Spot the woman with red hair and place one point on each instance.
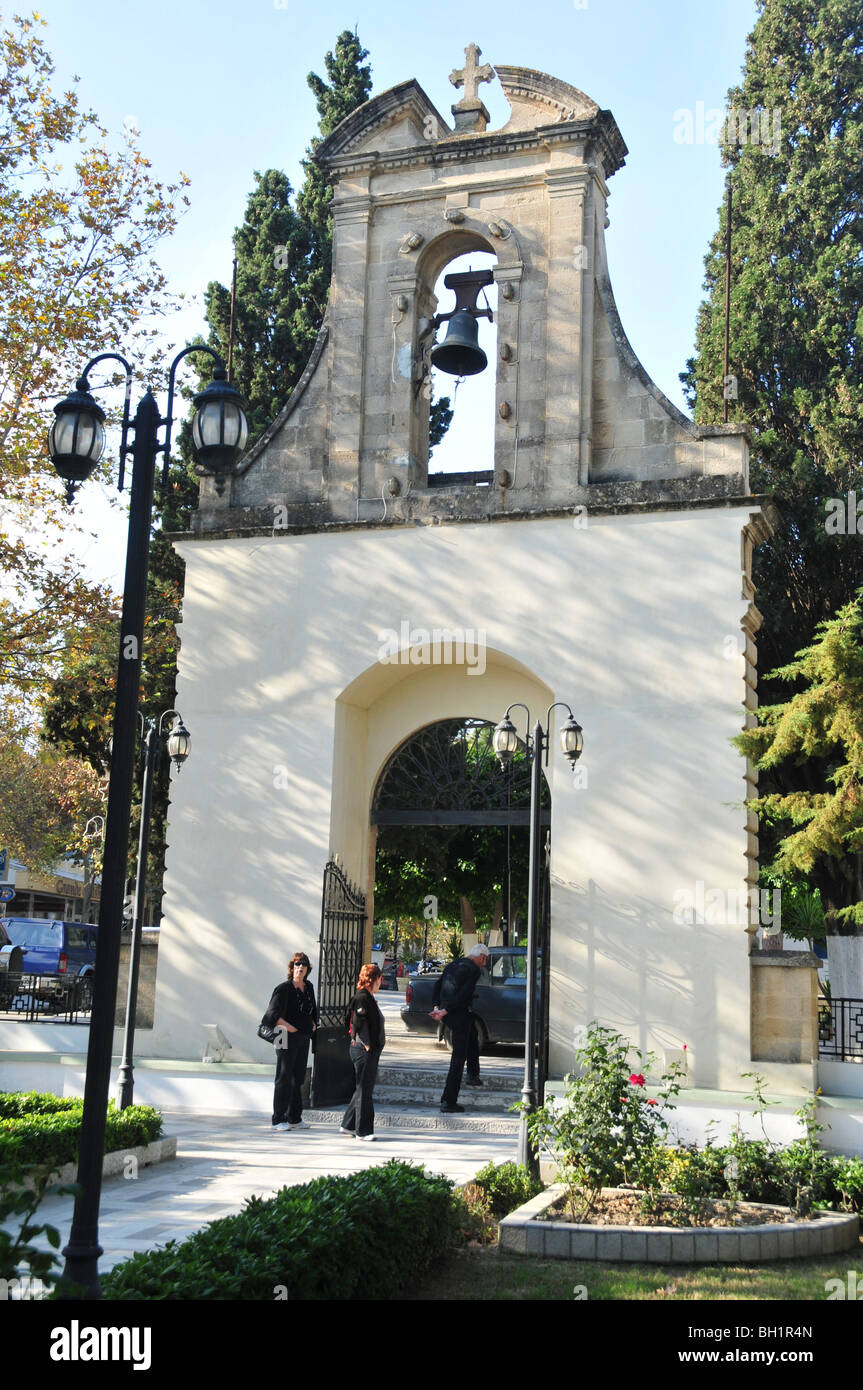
(366, 1025)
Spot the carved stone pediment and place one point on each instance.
(401, 117)
(538, 99)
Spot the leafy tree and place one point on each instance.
(796, 321)
(77, 237)
(350, 83)
(440, 419)
(274, 330)
(461, 866)
(823, 720)
(283, 259)
(46, 803)
(796, 324)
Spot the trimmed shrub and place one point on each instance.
(848, 1181)
(794, 1175)
(333, 1238)
(14, 1104)
(506, 1186)
(51, 1139)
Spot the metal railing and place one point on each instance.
(840, 1029)
(45, 999)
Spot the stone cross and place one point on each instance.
(470, 113)
(470, 75)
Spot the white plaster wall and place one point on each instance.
(634, 620)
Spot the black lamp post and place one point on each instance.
(505, 743)
(75, 443)
(178, 743)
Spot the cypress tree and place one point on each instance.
(796, 323)
(349, 86)
(793, 155)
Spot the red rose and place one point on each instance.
(651, 1102)
(636, 1079)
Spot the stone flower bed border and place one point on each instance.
(145, 1155)
(524, 1233)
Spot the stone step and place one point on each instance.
(425, 1077)
(419, 1117)
(425, 1097)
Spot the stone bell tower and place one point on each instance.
(330, 581)
(576, 414)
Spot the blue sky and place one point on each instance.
(217, 89)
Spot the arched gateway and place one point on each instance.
(443, 797)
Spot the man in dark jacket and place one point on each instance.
(452, 1000)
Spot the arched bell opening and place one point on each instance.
(454, 416)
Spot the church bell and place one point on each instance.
(460, 353)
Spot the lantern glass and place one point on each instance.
(207, 429)
(572, 740)
(236, 426)
(220, 429)
(77, 434)
(179, 744)
(505, 740)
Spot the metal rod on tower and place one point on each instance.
(233, 319)
(727, 304)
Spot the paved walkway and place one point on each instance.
(222, 1160)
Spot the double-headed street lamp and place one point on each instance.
(505, 742)
(178, 744)
(76, 440)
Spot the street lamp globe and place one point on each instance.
(220, 428)
(572, 741)
(77, 437)
(505, 741)
(179, 744)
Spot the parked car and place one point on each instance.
(498, 1003)
(430, 967)
(63, 952)
(10, 967)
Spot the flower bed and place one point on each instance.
(607, 1132)
(779, 1235)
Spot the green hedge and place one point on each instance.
(31, 1135)
(358, 1237)
(13, 1104)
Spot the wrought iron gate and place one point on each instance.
(343, 920)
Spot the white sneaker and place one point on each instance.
(280, 1129)
(366, 1138)
(342, 1130)
(300, 1124)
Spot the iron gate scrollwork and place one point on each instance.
(340, 955)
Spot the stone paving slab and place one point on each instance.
(222, 1160)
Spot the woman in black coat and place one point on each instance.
(294, 1011)
(366, 1024)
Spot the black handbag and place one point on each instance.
(267, 1032)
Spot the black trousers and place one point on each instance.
(465, 1048)
(360, 1114)
(291, 1063)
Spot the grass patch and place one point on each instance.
(486, 1275)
